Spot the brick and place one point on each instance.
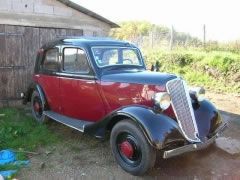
(66, 12)
(43, 9)
(5, 5)
(15, 1)
(23, 7)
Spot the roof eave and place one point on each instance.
(88, 12)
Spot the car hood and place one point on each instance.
(138, 77)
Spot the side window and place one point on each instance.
(75, 60)
(50, 62)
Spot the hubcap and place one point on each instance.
(37, 107)
(129, 149)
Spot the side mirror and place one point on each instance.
(152, 67)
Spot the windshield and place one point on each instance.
(110, 56)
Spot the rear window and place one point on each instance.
(51, 62)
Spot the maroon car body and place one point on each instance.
(100, 85)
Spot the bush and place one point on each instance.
(218, 70)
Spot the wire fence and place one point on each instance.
(177, 40)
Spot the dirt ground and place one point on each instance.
(80, 156)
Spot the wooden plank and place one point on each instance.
(2, 46)
(74, 32)
(13, 40)
(7, 84)
(61, 33)
(12, 79)
(31, 45)
(46, 35)
(19, 82)
(32, 42)
(2, 28)
(35, 45)
(14, 30)
(13, 82)
(13, 50)
(78, 32)
(26, 45)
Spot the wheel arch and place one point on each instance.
(32, 87)
(114, 120)
(42, 95)
(157, 128)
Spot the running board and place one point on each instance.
(70, 122)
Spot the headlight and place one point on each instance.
(162, 100)
(198, 93)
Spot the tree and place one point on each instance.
(140, 32)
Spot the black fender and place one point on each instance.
(158, 128)
(34, 86)
(207, 117)
(42, 96)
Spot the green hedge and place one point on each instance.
(216, 70)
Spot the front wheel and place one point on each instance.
(131, 148)
(37, 107)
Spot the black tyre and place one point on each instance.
(131, 148)
(37, 108)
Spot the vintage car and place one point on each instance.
(101, 86)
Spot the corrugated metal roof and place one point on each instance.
(88, 12)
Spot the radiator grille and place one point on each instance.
(182, 107)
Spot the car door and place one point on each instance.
(48, 79)
(79, 94)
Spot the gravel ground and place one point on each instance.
(80, 156)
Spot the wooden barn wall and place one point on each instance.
(18, 47)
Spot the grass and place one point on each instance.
(20, 132)
(215, 70)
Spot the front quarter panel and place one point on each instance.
(158, 128)
(119, 94)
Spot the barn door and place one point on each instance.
(12, 68)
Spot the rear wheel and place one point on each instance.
(131, 148)
(37, 107)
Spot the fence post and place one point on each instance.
(204, 37)
(171, 38)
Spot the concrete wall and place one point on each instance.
(49, 13)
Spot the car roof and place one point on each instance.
(87, 41)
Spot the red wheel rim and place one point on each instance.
(127, 149)
(36, 107)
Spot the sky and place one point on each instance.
(221, 17)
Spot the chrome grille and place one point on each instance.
(181, 103)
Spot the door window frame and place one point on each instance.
(47, 71)
(89, 75)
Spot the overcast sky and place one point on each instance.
(220, 16)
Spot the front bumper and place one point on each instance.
(194, 146)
